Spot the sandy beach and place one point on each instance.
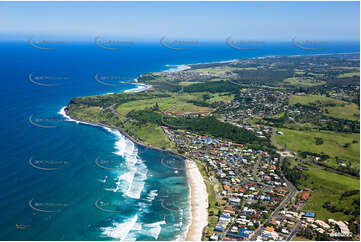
(199, 202)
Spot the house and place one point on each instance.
(274, 222)
(218, 228)
(234, 201)
(304, 196)
(270, 229)
(234, 229)
(226, 187)
(215, 237)
(343, 227)
(310, 215)
(229, 209)
(244, 233)
(322, 224)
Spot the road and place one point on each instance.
(280, 207)
(294, 231)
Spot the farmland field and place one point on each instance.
(333, 144)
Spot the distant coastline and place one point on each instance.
(259, 57)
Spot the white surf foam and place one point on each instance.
(120, 230)
(152, 195)
(177, 68)
(140, 87)
(131, 181)
(151, 229)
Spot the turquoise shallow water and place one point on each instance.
(82, 200)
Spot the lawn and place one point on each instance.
(94, 114)
(339, 109)
(189, 107)
(188, 83)
(178, 100)
(348, 74)
(217, 97)
(350, 111)
(333, 144)
(306, 100)
(304, 82)
(219, 70)
(150, 133)
(328, 187)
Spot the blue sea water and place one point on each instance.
(143, 199)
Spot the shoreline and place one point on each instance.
(259, 57)
(198, 199)
(198, 195)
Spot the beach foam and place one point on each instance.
(140, 87)
(151, 229)
(120, 230)
(131, 181)
(176, 68)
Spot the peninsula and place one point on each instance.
(275, 140)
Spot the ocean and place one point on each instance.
(65, 180)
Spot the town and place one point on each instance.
(249, 193)
(276, 140)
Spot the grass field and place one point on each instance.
(188, 83)
(306, 100)
(348, 74)
(340, 109)
(90, 113)
(328, 187)
(189, 107)
(333, 144)
(179, 101)
(149, 133)
(299, 72)
(215, 70)
(163, 103)
(217, 97)
(304, 82)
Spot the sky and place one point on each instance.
(265, 21)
